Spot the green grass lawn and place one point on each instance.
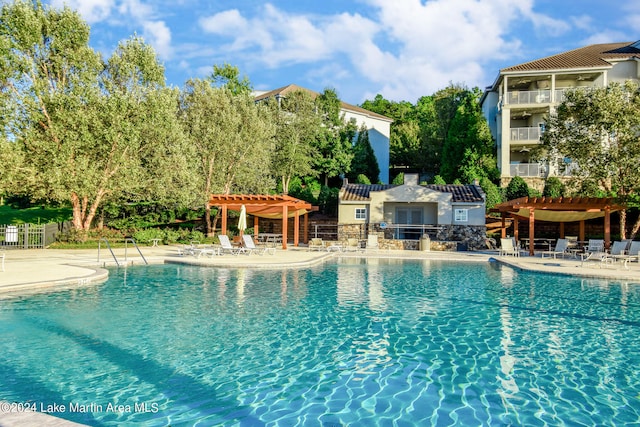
(36, 215)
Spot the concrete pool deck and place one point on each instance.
(29, 271)
(37, 270)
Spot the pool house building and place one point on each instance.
(413, 215)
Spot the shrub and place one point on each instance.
(439, 180)
(362, 179)
(553, 187)
(494, 196)
(171, 236)
(146, 235)
(517, 188)
(399, 179)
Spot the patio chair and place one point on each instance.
(206, 250)
(250, 246)
(372, 243)
(353, 245)
(509, 247)
(618, 251)
(632, 254)
(561, 249)
(594, 245)
(226, 245)
(600, 257)
(316, 244)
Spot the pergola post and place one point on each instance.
(305, 230)
(503, 232)
(255, 226)
(224, 220)
(581, 231)
(285, 220)
(532, 221)
(562, 230)
(607, 227)
(296, 228)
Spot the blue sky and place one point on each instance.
(401, 49)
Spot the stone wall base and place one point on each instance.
(444, 238)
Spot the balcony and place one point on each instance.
(543, 170)
(519, 97)
(526, 134)
(528, 170)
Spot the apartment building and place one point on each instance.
(523, 95)
(378, 126)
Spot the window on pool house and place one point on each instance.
(361, 213)
(461, 215)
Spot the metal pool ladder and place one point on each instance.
(128, 239)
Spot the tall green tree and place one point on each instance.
(404, 141)
(82, 125)
(228, 76)
(468, 148)
(297, 127)
(598, 129)
(232, 138)
(334, 139)
(364, 159)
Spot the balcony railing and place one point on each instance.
(542, 170)
(528, 170)
(528, 97)
(526, 134)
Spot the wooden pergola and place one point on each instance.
(559, 209)
(267, 206)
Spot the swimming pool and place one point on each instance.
(352, 342)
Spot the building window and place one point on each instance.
(461, 215)
(361, 213)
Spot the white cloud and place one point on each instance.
(91, 10)
(135, 9)
(407, 47)
(158, 35)
(607, 36)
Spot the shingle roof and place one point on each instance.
(592, 56)
(283, 91)
(460, 193)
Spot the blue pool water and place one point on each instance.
(354, 342)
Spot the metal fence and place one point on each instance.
(29, 236)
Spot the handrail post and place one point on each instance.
(136, 246)
(110, 250)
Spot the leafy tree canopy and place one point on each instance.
(598, 129)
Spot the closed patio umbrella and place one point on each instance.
(242, 221)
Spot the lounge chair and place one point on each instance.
(226, 245)
(250, 246)
(618, 251)
(632, 254)
(561, 249)
(598, 256)
(372, 243)
(509, 247)
(206, 250)
(353, 245)
(594, 245)
(189, 249)
(316, 244)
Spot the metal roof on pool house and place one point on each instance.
(460, 193)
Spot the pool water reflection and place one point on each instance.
(353, 342)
